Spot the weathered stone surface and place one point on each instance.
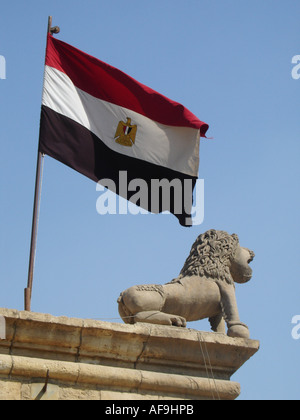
(37, 392)
(9, 390)
(89, 359)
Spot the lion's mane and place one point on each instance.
(210, 256)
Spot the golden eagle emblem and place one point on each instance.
(126, 133)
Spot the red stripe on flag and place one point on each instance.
(112, 85)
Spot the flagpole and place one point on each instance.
(36, 206)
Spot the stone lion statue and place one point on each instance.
(205, 288)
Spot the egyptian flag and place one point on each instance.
(101, 122)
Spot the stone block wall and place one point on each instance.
(60, 358)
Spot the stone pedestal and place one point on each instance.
(59, 358)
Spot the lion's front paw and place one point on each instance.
(238, 330)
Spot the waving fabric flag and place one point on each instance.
(101, 122)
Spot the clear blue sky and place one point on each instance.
(230, 63)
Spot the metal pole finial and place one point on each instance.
(52, 29)
(55, 30)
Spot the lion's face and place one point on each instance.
(239, 266)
